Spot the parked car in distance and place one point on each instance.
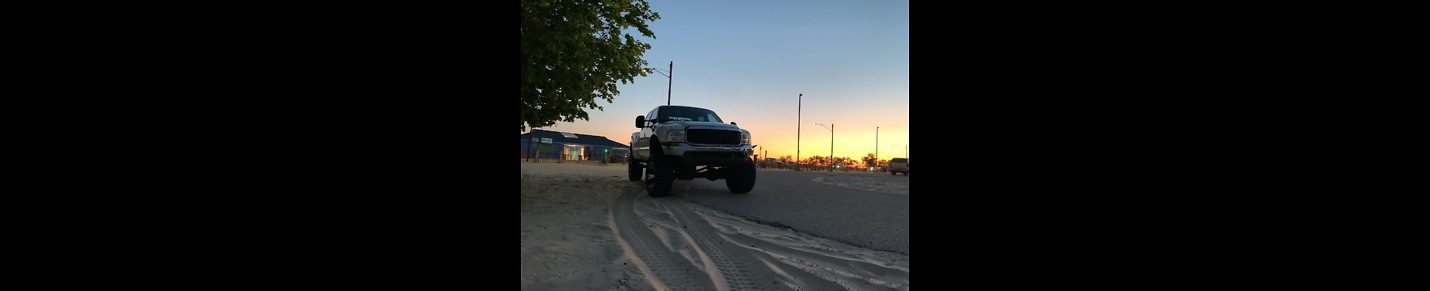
(899, 165)
(618, 155)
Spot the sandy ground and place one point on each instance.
(587, 227)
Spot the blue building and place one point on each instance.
(553, 145)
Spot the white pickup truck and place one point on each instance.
(682, 142)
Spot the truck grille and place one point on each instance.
(712, 136)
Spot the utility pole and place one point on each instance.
(876, 146)
(671, 81)
(831, 144)
(800, 107)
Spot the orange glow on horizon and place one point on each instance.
(777, 142)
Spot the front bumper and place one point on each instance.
(710, 155)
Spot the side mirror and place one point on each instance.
(733, 123)
(640, 121)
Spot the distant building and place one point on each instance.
(569, 146)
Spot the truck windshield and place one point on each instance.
(680, 113)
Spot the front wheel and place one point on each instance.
(663, 171)
(740, 178)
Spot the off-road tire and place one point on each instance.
(740, 178)
(663, 176)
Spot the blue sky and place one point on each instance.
(749, 61)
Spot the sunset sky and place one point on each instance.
(749, 61)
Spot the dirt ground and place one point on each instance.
(587, 227)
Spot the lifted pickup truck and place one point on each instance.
(682, 142)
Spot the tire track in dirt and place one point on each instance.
(664, 269)
(825, 264)
(679, 245)
(733, 267)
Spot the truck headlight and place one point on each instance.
(744, 137)
(675, 136)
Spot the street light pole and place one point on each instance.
(831, 144)
(671, 80)
(799, 107)
(876, 146)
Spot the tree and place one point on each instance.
(817, 161)
(870, 160)
(787, 159)
(574, 51)
(823, 161)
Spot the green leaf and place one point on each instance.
(573, 52)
